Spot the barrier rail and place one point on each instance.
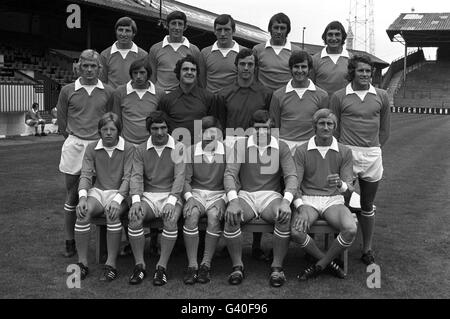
(20, 97)
(420, 110)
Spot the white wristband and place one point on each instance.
(187, 195)
(172, 200)
(118, 198)
(82, 193)
(343, 187)
(289, 197)
(135, 199)
(298, 202)
(232, 195)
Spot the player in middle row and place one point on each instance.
(293, 105)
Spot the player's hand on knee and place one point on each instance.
(220, 211)
(233, 213)
(135, 212)
(82, 208)
(112, 209)
(301, 222)
(168, 212)
(191, 203)
(284, 212)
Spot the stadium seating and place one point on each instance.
(56, 67)
(427, 86)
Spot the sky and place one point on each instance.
(315, 15)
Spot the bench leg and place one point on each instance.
(345, 260)
(100, 243)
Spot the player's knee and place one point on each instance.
(135, 224)
(298, 236)
(213, 225)
(114, 220)
(349, 233)
(191, 221)
(82, 221)
(231, 228)
(171, 225)
(284, 227)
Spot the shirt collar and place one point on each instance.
(273, 142)
(78, 84)
(151, 88)
(312, 144)
(115, 49)
(286, 46)
(344, 53)
(195, 92)
(349, 89)
(220, 150)
(120, 145)
(166, 42)
(170, 143)
(234, 48)
(290, 88)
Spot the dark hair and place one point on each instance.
(139, 63)
(298, 57)
(337, 26)
(280, 18)
(155, 117)
(188, 58)
(245, 52)
(261, 116)
(224, 19)
(353, 63)
(126, 22)
(210, 121)
(110, 117)
(35, 104)
(176, 15)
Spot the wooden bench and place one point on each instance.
(320, 227)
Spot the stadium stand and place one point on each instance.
(422, 85)
(427, 85)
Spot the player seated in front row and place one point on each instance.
(110, 161)
(204, 195)
(257, 165)
(324, 170)
(157, 181)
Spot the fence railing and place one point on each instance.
(20, 97)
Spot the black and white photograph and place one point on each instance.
(225, 158)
